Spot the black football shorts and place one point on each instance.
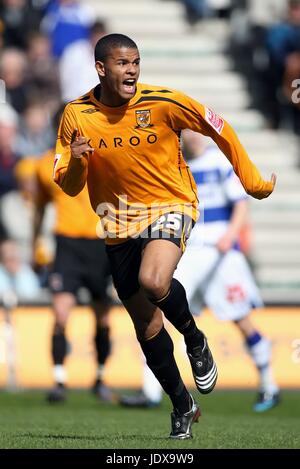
(125, 258)
(80, 262)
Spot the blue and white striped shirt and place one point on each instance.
(218, 190)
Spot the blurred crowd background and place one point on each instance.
(46, 59)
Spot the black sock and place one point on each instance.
(102, 342)
(59, 347)
(175, 306)
(193, 337)
(160, 359)
(176, 309)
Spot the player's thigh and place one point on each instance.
(164, 242)
(159, 261)
(96, 271)
(232, 293)
(125, 261)
(62, 307)
(67, 269)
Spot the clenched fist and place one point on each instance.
(266, 190)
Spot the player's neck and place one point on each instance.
(109, 99)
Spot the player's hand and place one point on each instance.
(225, 243)
(266, 190)
(80, 146)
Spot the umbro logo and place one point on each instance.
(91, 110)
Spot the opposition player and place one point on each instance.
(122, 138)
(214, 271)
(80, 261)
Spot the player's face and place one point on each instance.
(118, 75)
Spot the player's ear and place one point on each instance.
(100, 67)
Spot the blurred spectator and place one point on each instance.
(8, 155)
(221, 8)
(195, 10)
(292, 72)
(25, 176)
(13, 70)
(282, 40)
(198, 9)
(36, 134)
(16, 276)
(67, 21)
(70, 67)
(1, 34)
(264, 13)
(261, 45)
(43, 73)
(3, 233)
(19, 17)
(16, 208)
(250, 18)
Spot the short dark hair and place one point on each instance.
(111, 41)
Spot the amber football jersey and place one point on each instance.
(137, 171)
(75, 217)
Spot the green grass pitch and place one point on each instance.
(227, 421)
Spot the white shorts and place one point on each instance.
(224, 283)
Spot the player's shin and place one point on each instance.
(160, 359)
(103, 345)
(260, 350)
(176, 309)
(59, 346)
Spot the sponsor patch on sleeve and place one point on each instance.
(214, 120)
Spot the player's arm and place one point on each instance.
(193, 115)
(75, 176)
(245, 169)
(72, 154)
(41, 200)
(237, 221)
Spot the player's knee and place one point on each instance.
(61, 318)
(147, 330)
(102, 321)
(154, 284)
(101, 310)
(62, 307)
(59, 328)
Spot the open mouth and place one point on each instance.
(129, 85)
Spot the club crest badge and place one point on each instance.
(143, 118)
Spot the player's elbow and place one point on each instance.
(73, 180)
(71, 189)
(71, 192)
